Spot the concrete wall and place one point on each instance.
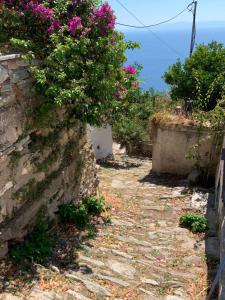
(173, 143)
(43, 163)
(101, 139)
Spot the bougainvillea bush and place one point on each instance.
(75, 54)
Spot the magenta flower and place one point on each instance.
(74, 23)
(130, 70)
(55, 25)
(39, 10)
(105, 18)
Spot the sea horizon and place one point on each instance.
(161, 48)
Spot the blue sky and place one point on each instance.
(152, 11)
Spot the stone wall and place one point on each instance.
(173, 143)
(220, 205)
(42, 163)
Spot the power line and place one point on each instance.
(152, 32)
(189, 8)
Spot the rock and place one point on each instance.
(91, 261)
(199, 200)
(122, 269)
(152, 296)
(194, 176)
(38, 294)
(149, 281)
(7, 187)
(114, 280)
(91, 286)
(123, 254)
(96, 288)
(77, 296)
(3, 74)
(55, 269)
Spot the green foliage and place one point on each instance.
(194, 222)
(131, 125)
(36, 247)
(201, 78)
(95, 205)
(80, 214)
(91, 231)
(75, 214)
(107, 220)
(81, 69)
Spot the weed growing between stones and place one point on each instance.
(194, 222)
(95, 205)
(81, 214)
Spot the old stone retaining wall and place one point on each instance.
(220, 205)
(42, 163)
(173, 143)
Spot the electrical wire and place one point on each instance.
(148, 28)
(189, 8)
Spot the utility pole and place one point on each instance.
(193, 34)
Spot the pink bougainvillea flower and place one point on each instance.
(74, 23)
(55, 25)
(130, 70)
(39, 10)
(104, 17)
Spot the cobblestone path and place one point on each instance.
(144, 254)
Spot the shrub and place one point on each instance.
(75, 214)
(81, 52)
(95, 205)
(194, 222)
(81, 213)
(200, 78)
(130, 127)
(36, 247)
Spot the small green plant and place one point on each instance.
(36, 247)
(91, 231)
(194, 222)
(95, 205)
(76, 214)
(107, 220)
(80, 214)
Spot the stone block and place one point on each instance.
(3, 74)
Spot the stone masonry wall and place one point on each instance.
(40, 166)
(220, 206)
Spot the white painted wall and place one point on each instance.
(101, 139)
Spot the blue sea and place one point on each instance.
(163, 48)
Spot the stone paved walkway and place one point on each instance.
(144, 254)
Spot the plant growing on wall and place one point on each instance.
(75, 54)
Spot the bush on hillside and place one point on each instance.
(201, 78)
